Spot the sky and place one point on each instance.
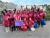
(28, 2)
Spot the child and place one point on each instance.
(12, 22)
(25, 25)
(6, 22)
(42, 17)
(31, 22)
(18, 21)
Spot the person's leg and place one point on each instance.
(4, 28)
(16, 28)
(7, 29)
(43, 23)
(13, 28)
(20, 28)
(36, 25)
(39, 24)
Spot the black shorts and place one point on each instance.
(12, 28)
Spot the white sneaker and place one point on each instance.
(7, 29)
(32, 29)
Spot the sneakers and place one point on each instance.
(32, 29)
(7, 29)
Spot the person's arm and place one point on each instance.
(2, 12)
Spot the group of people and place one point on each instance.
(23, 20)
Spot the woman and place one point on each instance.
(42, 17)
(18, 21)
(12, 22)
(6, 22)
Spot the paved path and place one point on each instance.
(42, 33)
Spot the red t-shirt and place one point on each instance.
(6, 21)
(42, 15)
(31, 22)
(17, 17)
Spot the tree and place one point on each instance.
(48, 9)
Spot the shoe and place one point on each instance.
(32, 29)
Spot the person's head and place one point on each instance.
(41, 11)
(3, 12)
(10, 11)
(18, 12)
(35, 10)
(32, 8)
(26, 7)
(38, 9)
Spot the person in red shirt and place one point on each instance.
(25, 25)
(12, 21)
(38, 16)
(18, 21)
(31, 20)
(24, 19)
(6, 21)
(42, 17)
(42, 14)
(34, 18)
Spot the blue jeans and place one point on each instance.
(36, 25)
(43, 22)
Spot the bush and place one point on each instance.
(48, 17)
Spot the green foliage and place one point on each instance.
(48, 12)
(48, 9)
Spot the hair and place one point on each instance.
(38, 9)
(10, 11)
(3, 12)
